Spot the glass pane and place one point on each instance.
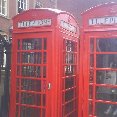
(69, 82)
(92, 60)
(44, 57)
(106, 77)
(44, 72)
(32, 85)
(90, 92)
(32, 57)
(106, 45)
(69, 58)
(106, 60)
(18, 45)
(44, 100)
(70, 46)
(106, 110)
(18, 70)
(90, 108)
(30, 112)
(43, 113)
(69, 95)
(17, 111)
(31, 71)
(69, 107)
(32, 44)
(92, 45)
(3, 10)
(31, 99)
(45, 44)
(17, 97)
(17, 84)
(18, 57)
(91, 75)
(69, 69)
(106, 93)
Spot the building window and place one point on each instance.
(38, 4)
(22, 5)
(3, 7)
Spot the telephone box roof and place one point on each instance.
(54, 11)
(98, 6)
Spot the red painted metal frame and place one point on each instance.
(95, 32)
(56, 35)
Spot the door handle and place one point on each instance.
(49, 86)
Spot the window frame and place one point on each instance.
(26, 7)
(5, 7)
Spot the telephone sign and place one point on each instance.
(103, 21)
(44, 22)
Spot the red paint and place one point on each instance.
(96, 34)
(38, 73)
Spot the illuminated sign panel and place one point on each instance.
(103, 21)
(68, 26)
(33, 23)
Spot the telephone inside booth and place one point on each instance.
(100, 45)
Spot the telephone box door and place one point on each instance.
(31, 75)
(102, 79)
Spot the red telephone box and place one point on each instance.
(44, 73)
(99, 63)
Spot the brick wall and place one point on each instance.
(6, 22)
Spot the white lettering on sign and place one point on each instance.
(103, 21)
(68, 26)
(43, 22)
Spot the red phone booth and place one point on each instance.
(99, 63)
(44, 73)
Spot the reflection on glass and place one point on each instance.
(106, 45)
(106, 110)
(106, 60)
(106, 77)
(106, 93)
